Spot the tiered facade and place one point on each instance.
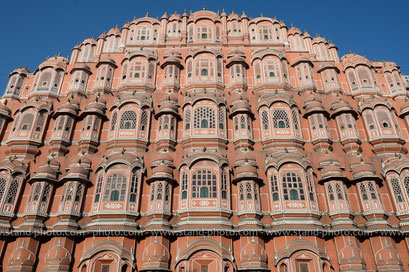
(284, 156)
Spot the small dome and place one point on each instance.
(4, 110)
(174, 16)
(89, 41)
(108, 60)
(71, 106)
(241, 106)
(404, 108)
(313, 104)
(81, 66)
(168, 107)
(306, 35)
(162, 169)
(294, 30)
(244, 156)
(328, 159)
(331, 171)
(79, 170)
(317, 40)
(102, 36)
(56, 62)
(246, 169)
(163, 156)
(114, 31)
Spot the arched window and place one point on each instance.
(364, 77)
(295, 119)
(406, 184)
(143, 34)
(187, 119)
(224, 185)
(204, 118)
(397, 190)
(274, 187)
(352, 79)
(280, 119)
(292, 187)
(46, 193)
(383, 119)
(36, 192)
(115, 188)
(137, 71)
(204, 72)
(257, 70)
(144, 120)
(266, 33)
(98, 188)
(264, 120)
(204, 184)
(44, 80)
(272, 70)
(310, 187)
(113, 120)
(26, 121)
(2, 188)
(221, 118)
(242, 122)
(204, 32)
(370, 121)
(248, 191)
(189, 68)
(184, 186)
(134, 186)
(128, 120)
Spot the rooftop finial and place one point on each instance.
(191, 13)
(147, 14)
(261, 15)
(134, 18)
(350, 52)
(218, 12)
(204, 8)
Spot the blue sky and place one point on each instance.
(33, 30)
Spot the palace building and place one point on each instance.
(205, 142)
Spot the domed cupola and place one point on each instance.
(5, 116)
(65, 118)
(92, 118)
(404, 108)
(168, 117)
(247, 183)
(47, 172)
(78, 170)
(161, 182)
(312, 105)
(330, 167)
(317, 117)
(339, 106)
(242, 117)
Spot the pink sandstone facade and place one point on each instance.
(205, 142)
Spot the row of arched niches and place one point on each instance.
(210, 121)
